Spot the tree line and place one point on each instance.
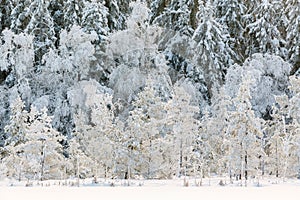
(154, 89)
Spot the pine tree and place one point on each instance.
(20, 16)
(56, 11)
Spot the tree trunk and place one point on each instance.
(246, 166)
(180, 165)
(42, 160)
(193, 15)
(277, 160)
(295, 67)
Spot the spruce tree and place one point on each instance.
(72, 13)
(118, 11)
(41, 26)
(6, 8)
(230, 13)
(175, 16)
(94, 18)
(293, 36)
(212, 52)
(263, 30)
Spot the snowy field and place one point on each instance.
(150, 189)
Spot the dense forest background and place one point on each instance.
(153, 89)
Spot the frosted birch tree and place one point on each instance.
(42, 150)
(184, 126)
(94, 127)
(16, 130)
(244, 135)
(144, 133)
(284, 142)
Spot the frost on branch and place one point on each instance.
(270, 75)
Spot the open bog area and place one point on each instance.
(150, 189)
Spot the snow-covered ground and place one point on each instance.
(149, 189)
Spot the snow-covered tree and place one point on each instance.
(244, 134)
(41, 150)
(293, 36)
(6, 7)
(41, 27)
(33, 144)
(71, 62)
(16, 68)
(136, 60)
(264, 36)
(143, 133)
(72, 13)
(94, 18)
(17, 55)
(184, 126)
(139, 30)
(94, 127)
(4, 114)
(213, 53)
(216, 126)
(270, 74)
(119, 10)
(78, 164)
(284, 141)
(230, 14)
(17, 127)
(63, 68)
(176, 16)
(76, 46)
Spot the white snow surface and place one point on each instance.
(150, 189)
